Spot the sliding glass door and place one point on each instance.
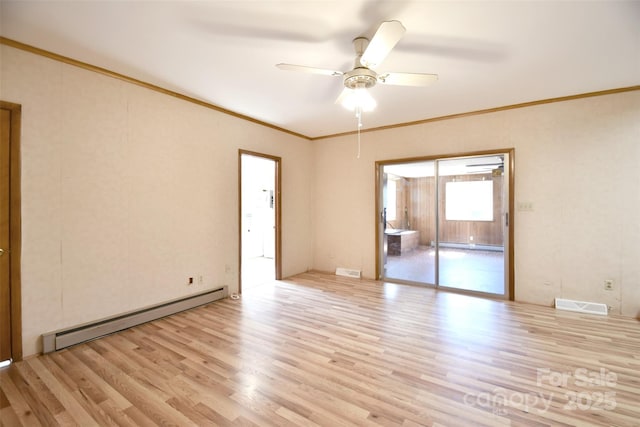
(472, 224)
(409, 231)
(444, 222)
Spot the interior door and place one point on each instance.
(5, 264)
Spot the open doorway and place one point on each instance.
(259, 220)
(445, 222)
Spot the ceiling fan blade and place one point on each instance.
(388, 35)
(313, 70)
(407, 79)
(479, 165)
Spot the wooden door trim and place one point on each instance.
(511, 151)
(15, 229)
(278, 213)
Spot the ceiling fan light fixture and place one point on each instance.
(359, 100)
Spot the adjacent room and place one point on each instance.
(364, 212)
(452, 236)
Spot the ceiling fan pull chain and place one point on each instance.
(359, 116)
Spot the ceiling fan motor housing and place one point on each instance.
(360, 78)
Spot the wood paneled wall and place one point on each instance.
(422, 208)
(417, 195)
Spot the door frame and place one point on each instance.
(15, 229)
(510, 227)
(278, 212)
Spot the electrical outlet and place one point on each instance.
(608, 285)
(190, 280)
(200, 280)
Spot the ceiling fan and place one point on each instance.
(369, 55)
(496, 168)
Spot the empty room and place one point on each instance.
(360, 212)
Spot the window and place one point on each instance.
(469, 201)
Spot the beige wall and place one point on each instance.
(576, 161)
(127, 192)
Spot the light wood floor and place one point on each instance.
(322, 350)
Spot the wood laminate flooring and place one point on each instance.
(318, 349)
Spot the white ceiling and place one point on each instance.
(487, 53)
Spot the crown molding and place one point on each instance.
(113, 74)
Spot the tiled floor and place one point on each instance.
(475, 270)
(257, 272)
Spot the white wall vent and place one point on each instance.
(348, 272)
(581, 306)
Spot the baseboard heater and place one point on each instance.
(582, 306)
(63, 338)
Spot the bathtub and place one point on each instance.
(401, 241)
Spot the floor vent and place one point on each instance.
(347, 272)
(581, 306)
(63, 338)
